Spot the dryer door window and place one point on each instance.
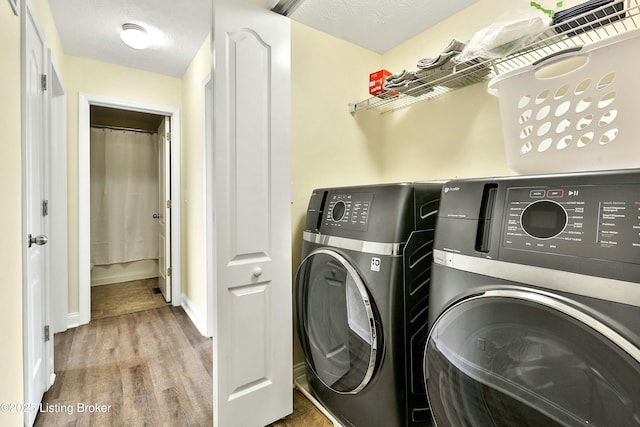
(513, 358)
(336, 322)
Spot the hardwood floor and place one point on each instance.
(149, 368)
(304, 414)
(126, 297)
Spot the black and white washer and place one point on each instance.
(535, 302)
(362, 294)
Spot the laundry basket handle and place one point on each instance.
(556, 54)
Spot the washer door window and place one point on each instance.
(512, 358)
(336, 321)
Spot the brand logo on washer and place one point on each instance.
(375, 264)
(448, 189)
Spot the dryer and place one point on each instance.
(361, 298)
(535, 302)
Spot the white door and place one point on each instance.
(164, 208)
(252, 335)
(35, 227)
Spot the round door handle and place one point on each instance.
(156, 216)
(257, 272)
(38, 240)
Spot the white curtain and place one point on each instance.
(124, 196)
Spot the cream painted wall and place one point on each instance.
(11, 388)
(330, 147)
(192, 155)
(456, 135)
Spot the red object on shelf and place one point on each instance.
(376, 81)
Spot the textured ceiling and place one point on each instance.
(377, 25)
(91, 29)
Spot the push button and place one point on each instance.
(537, 194)
(555, 194)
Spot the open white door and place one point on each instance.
(35, 208)
(164, 208)
(252, 335)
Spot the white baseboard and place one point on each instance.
(122, 278)
(194, 315)
(124, 272)
(73, 320)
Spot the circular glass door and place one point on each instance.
(336, 322)
(514, 358)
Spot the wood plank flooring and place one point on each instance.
(149, 368)
(304, 415)
(127, 297)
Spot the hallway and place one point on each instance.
(146, 368)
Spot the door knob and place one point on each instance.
(257, 272)
(156, 216)
(38, 240)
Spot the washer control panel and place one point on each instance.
(349, 210)
(596, 221)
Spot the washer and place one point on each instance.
(361, 300)
(535, 302)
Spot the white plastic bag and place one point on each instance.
(506, 36)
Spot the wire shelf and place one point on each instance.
(597, 24)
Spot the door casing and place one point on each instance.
(59, 242)
(85, 101)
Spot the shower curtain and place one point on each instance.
(124, 196)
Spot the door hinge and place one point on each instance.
(43, 82)
(45, 207)
(168, 204)
(169, 272)
(46, 333)
(169, 136)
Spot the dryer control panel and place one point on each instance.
(349, 210)
(595, 221)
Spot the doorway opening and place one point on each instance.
(129, 259)
(102, 111)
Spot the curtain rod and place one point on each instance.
(122, 128)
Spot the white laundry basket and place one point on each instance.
(574, 110)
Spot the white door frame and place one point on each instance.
(59, 239)
(85, 101)
(209, 223)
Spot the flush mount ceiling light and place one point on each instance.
(134, 36)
